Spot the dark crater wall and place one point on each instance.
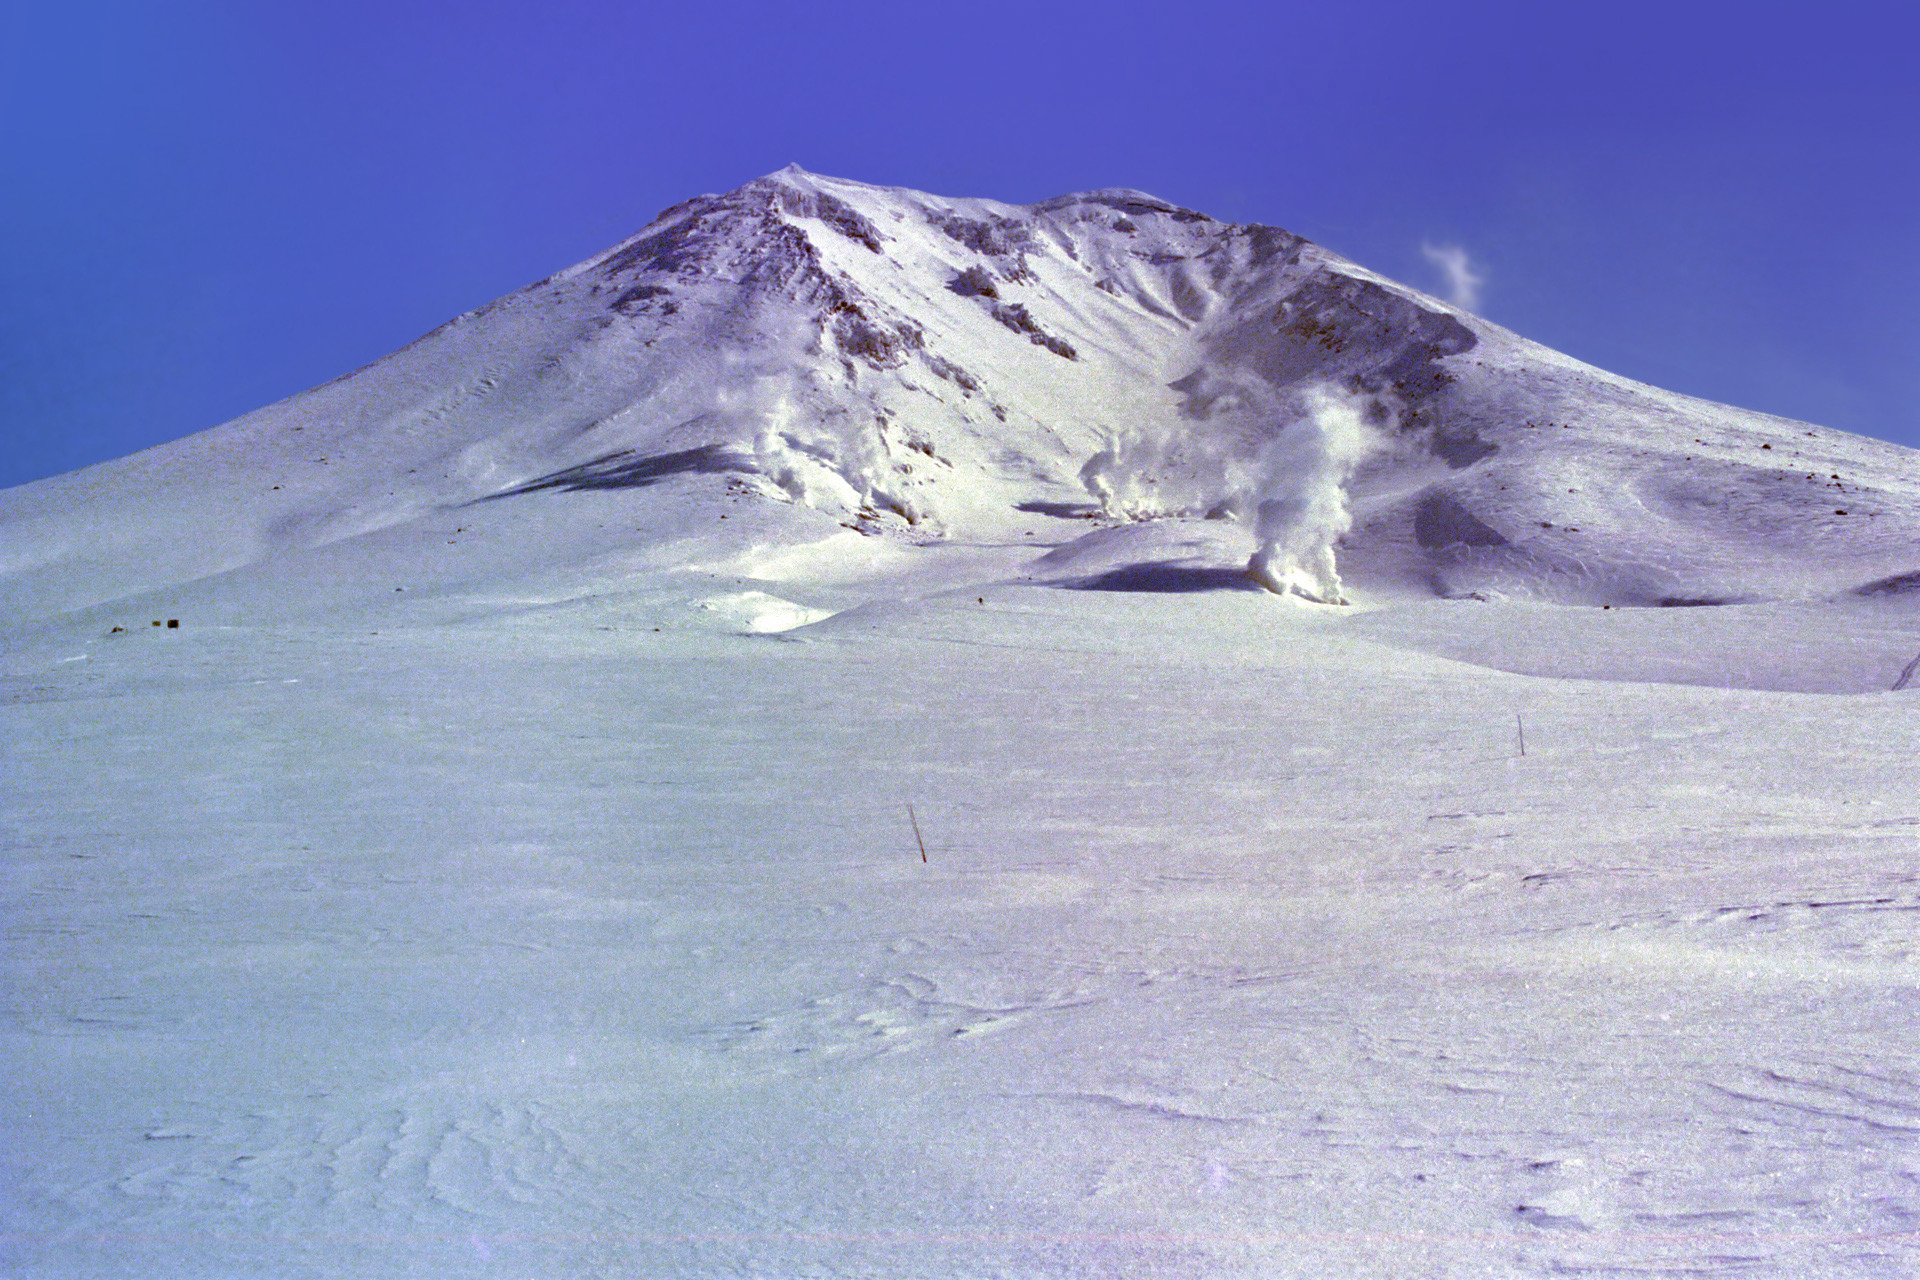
(1337, 328)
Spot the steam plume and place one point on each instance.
(1464, 278)
(1299, 496)
(1291, 487)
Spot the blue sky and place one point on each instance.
(206, 206)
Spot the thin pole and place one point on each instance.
(916, 833)
(1520, 727)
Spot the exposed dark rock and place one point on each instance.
(1341, 329)
(1265, 244)
(1137, 203)
(881, 345)
(974, 282)
(1339, 314)
(631, 300)
(1015, 316)
(836, 213)
(995, 237)
(952, 372)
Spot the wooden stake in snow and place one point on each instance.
(1520, 729)
(916, 833)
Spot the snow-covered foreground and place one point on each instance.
(1247, 942)
(512, 865)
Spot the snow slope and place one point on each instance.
(506, 867)
(928, 369)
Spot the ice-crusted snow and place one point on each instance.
(505, 867)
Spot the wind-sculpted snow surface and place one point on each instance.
(822, 742)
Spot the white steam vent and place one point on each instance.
(1299, 499)
(1292, 487)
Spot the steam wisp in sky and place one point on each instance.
(1464, 277)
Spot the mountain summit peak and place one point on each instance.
(833, 356)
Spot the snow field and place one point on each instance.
(533, 949)
(505, 869)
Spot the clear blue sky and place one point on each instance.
(207, 205)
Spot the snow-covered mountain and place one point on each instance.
(768, 753)
(814, 358)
